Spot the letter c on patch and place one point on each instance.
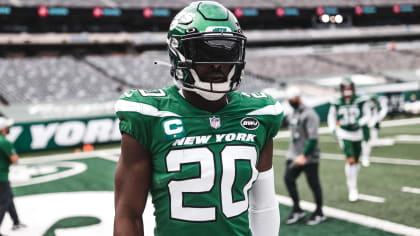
(173, 127)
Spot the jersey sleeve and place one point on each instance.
(272, 113)
(8, 148)
(276, 122)
(132, 121)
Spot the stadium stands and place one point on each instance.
(182, 3)
(34, 80)
(316, 65)
(50, 79)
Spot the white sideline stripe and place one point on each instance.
(383, 160)
(68, 156)
(370, 198)
(355, 218)
(388, 123)
(410, 190)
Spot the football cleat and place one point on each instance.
(365, 162)
(295, 216)
(353, 195)
(18, 226)
(316, 219)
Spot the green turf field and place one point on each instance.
(78, 199)
(379, 179)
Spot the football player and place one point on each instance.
(346, 118)
(202, 150)
(379, 109)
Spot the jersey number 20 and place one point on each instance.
(207, 180)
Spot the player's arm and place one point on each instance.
(366, 109)
(384, 108)
(132, 182)
(332, 118)
(264, 212)
(311, 127)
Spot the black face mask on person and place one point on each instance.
(294, 104)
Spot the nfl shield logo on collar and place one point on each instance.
(215, 122)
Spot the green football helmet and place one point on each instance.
(347, 88)
(206, 33)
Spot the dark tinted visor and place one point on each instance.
(213, 50)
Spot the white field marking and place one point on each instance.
(410, 190)
(76, 168)
(388, 123)
(108, 156)
(385, 141)
(383, 160)
(355, 218)
(401, 122)
(407, 138)
(370, 198)
(68, 156)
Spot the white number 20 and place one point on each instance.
(206, 181)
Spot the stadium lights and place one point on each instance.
(43, 11)
(339, 19)
(396, 9)
(97, 12)
(280, 12)
(358, 10)
(320, 11)
(147, 12)
(238, 12)
(333, 19)
(325, 18)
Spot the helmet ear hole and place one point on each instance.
(191, 30)
(179, 74)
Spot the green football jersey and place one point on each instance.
(6, 150)
(351, 116)
(203, 163)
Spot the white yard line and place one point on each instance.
(388, 123)
(401, 122)
(383, 160)
(355, 218)
(410, 190)
(371, 198)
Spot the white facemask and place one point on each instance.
(209, 95)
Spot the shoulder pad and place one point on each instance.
(335, 100)
(362, 98)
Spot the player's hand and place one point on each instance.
(300, 160)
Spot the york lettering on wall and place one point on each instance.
(71, 133)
